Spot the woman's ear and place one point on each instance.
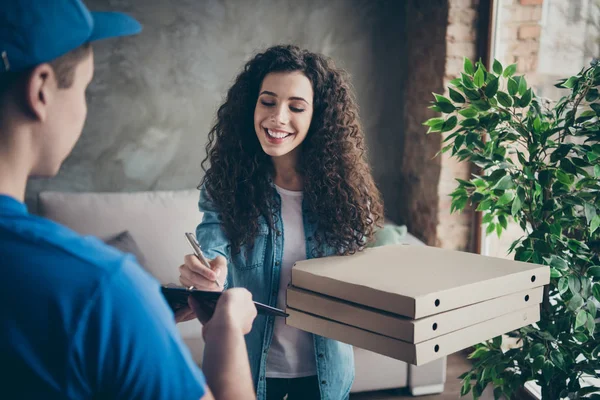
(40, 87)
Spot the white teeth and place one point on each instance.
(278, 134)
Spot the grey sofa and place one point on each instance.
(157, 221)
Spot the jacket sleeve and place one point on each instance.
(210, 233)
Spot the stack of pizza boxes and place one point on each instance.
(414, 303)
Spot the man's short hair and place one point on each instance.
(63, 66)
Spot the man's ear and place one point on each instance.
(39, 88)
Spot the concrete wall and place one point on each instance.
(154, 96)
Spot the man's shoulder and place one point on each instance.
(36, 239)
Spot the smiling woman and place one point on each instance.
(283, 113)
(288, 180)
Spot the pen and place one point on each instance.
(198, 252)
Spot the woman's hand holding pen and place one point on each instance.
(194, 273)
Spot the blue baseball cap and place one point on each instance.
(33, 32)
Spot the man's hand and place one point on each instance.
(235, 311)
(184, 314)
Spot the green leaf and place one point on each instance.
(563, 177)
(479, 77)
(487, 218)
(478, 353)
(558, 262)
(466, 388)
(563, 285)
(472, 94)
(490, 228)
(450, 124)
(513, 86)
(505, 183)
(557, 359)
(504, 99)
(547, 371)
(575, 303)
(497, 67)
(574, 284)
(590, 212)
(592, 310)
(590, 325)
(468, 113)
(516, 206)
(467, 81)
(592, 95)
(581, 318)
(491, 88)
(522, 86)
(537, 124)
(538, 363)
(581, 337)
(570, 82)
(481, 105)
(505, 199)
(538, 349)
(441, 99)
(446, 108)
(596, 291)
(455, 96)
(456, 82)
(594, 271)
(510, 70)
(575, 245)
(503, 221)
(526, 99)
(434, 122)
(554, 273)
(597, 171)
(469, 122)
(468, 66)
(594, 224)
(497, 342)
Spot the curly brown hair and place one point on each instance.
(339, 191)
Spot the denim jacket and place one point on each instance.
(257, 269)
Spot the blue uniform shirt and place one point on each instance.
(82, 320)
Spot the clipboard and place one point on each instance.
(177, 297)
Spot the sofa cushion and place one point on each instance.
(124, 242)
(157, 220)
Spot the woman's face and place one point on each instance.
(283, 112)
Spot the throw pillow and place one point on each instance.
(124, 242)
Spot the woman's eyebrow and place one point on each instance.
(291, 98)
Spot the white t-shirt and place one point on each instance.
(292, 353)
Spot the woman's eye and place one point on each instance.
(298, 110)
(266, 103)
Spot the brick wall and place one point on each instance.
(519, 36)
(520, 32)
(454, 231)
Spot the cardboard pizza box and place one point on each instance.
(407, 329)
(416, 281)
(414, 353)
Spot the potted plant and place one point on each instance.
(540, 167)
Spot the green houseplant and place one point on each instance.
(540, 166)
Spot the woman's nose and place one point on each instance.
(281, 116)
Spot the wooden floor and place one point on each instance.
(457, 364)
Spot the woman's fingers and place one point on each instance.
(189, 278)
(194, 265)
